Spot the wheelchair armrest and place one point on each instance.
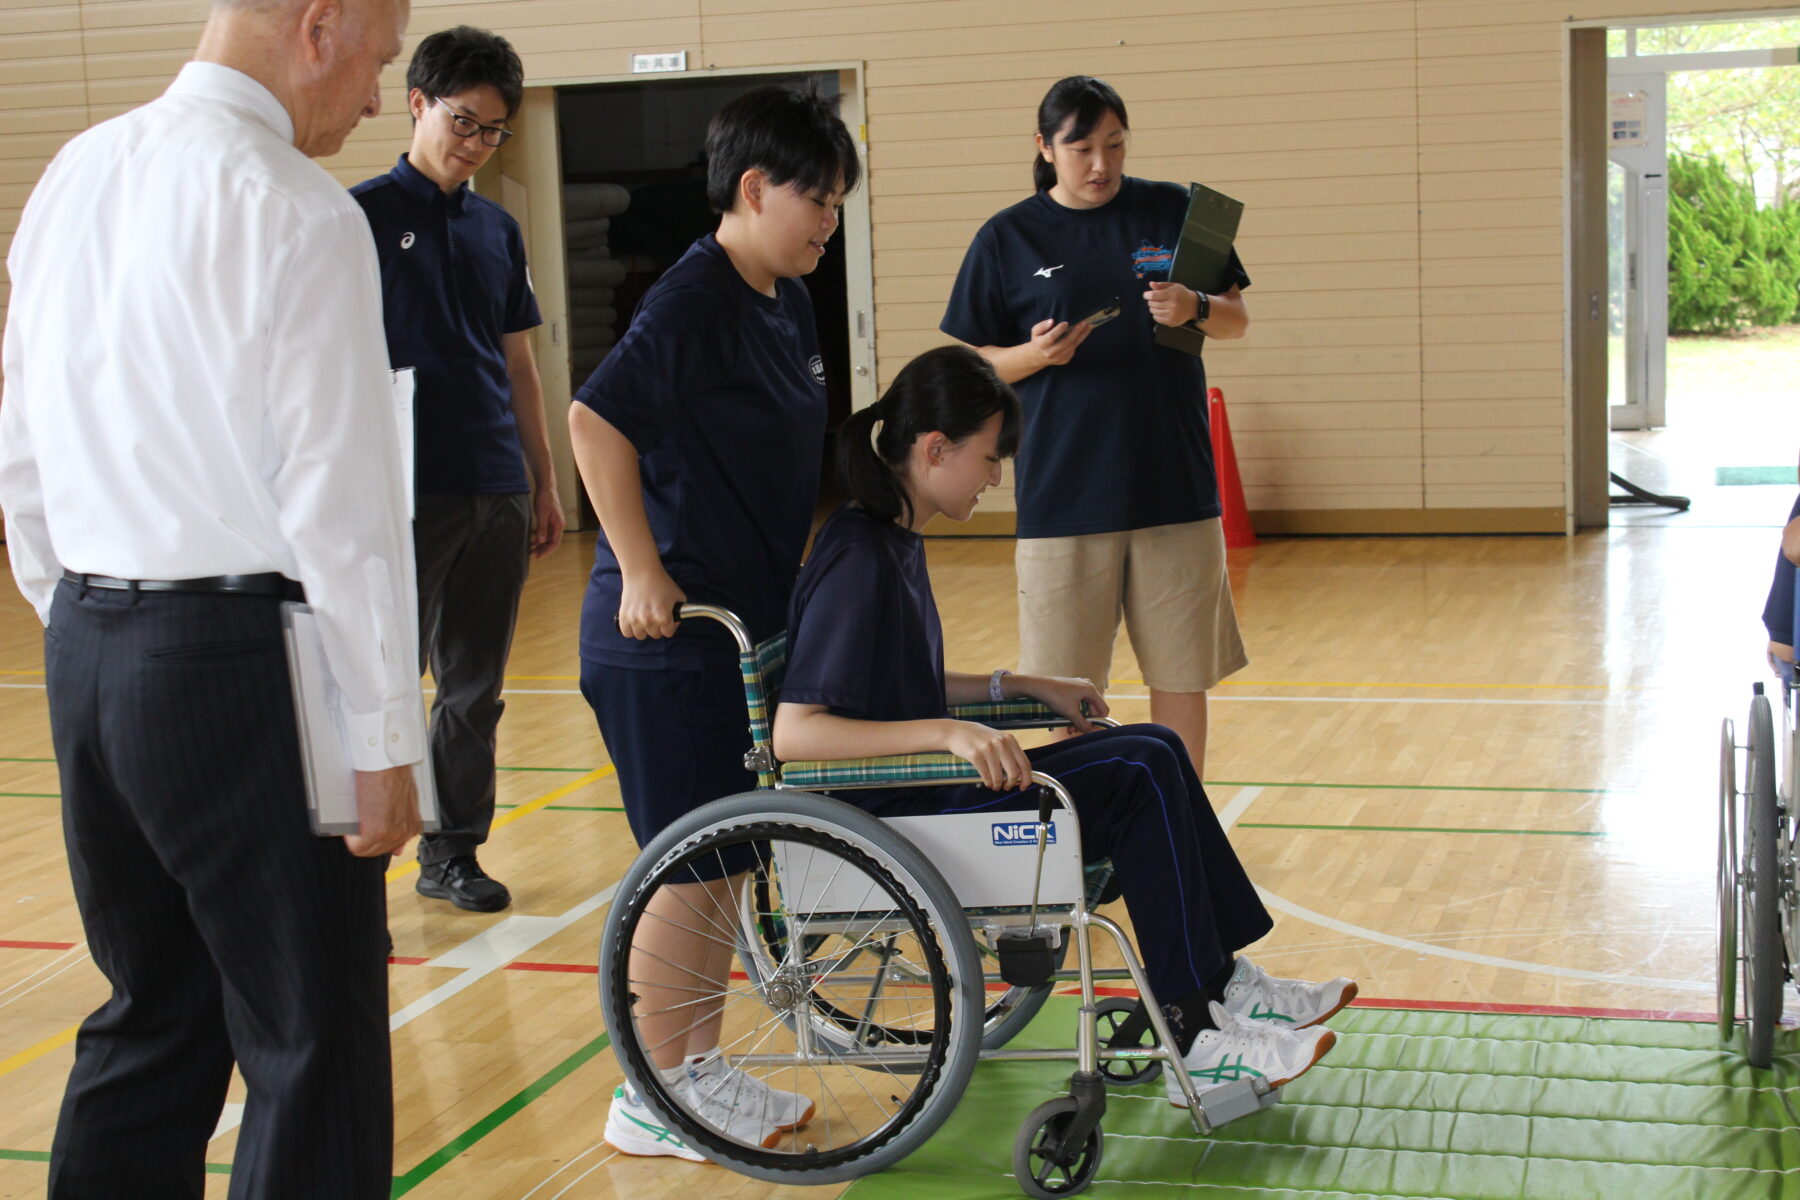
(1010, 714)
(900, 770)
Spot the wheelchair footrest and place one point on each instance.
(1240, 1098)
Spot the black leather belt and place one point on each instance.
(269, 584)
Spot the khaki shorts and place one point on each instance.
(1169, 583)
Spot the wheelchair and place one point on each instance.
(1758, 874)
(878, 961)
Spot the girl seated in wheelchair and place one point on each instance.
(865, 677)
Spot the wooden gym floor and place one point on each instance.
(1476, 774)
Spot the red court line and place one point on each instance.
(1469, 1006)
(8, 945)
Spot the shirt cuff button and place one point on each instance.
(393, 737)
(372, 741)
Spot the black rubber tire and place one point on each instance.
(1039, 1139)
(915, 885)
(1761, 930)
(1728, 899)
(1109, 1014)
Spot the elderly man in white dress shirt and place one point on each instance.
(196, 424)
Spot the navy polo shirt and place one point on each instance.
(863, 632)
(1117, 437)
(722, 391)
(453, 282)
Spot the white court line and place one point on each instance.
(545, 1181)
(40, 983)
(491, 950)
(585, 1174)
(1241, 803)
(480, 956)
(1246, 796)
(77, 948)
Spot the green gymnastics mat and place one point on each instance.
(1453, 1106)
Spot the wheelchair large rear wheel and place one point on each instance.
(838, 882)
(1761, 927)
(764, 943)
(1728, 899)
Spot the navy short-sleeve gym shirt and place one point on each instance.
(722, 391)
(1117, 437)
(863, 632)
(453, 284)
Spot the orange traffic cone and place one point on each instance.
(1231, 485)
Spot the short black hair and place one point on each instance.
(451, 61)
(794, 137)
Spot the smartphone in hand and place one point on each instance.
(1097, 318)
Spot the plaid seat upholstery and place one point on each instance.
(870, 772)
(763, 671)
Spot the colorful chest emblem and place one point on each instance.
(1151, 260)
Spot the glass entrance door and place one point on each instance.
(1637, 250)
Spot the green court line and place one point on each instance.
(1410, 787)
(43, 1156)
(42, 760)
(571, 807)
(1419, 829)
(36, 795)
(563, 770)
(436, 1162)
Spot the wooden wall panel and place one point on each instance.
(1402, 161)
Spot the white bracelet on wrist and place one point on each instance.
(995, 692)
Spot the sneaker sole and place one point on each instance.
(438, 891)
(1343, 1001)
(1320, 1049)
(806, 1116)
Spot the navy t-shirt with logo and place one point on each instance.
(1116, 438)
(453, 284)
(722, 391)
(863, 632)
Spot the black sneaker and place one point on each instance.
(462, 882)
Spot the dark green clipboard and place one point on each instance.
(1202, 257)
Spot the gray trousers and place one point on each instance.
(472, 556)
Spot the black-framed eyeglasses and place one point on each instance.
(468, 127)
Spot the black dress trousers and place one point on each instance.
(228, 930)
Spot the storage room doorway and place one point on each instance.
(634, 199)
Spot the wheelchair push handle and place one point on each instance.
(740, 632)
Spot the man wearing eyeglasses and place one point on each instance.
(459, 310)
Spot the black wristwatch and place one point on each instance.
(1205, 309)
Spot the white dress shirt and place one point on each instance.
(196, 383)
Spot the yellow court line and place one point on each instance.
(55, 1041)
(524, 810)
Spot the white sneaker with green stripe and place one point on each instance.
(1256, 995)
(1242, 1049)
(631, 1128)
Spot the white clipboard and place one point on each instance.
(324, 738)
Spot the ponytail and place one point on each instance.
(1079, 102)
(868, 464)
(950, 390)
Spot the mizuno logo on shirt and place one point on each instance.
(1045, 271)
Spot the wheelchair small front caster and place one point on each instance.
(1047, 1167)
(1120, 1023)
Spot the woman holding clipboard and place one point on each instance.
(1118, 507)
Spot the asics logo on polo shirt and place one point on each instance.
(1045, 271)
(406, 241)
(816, 365)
